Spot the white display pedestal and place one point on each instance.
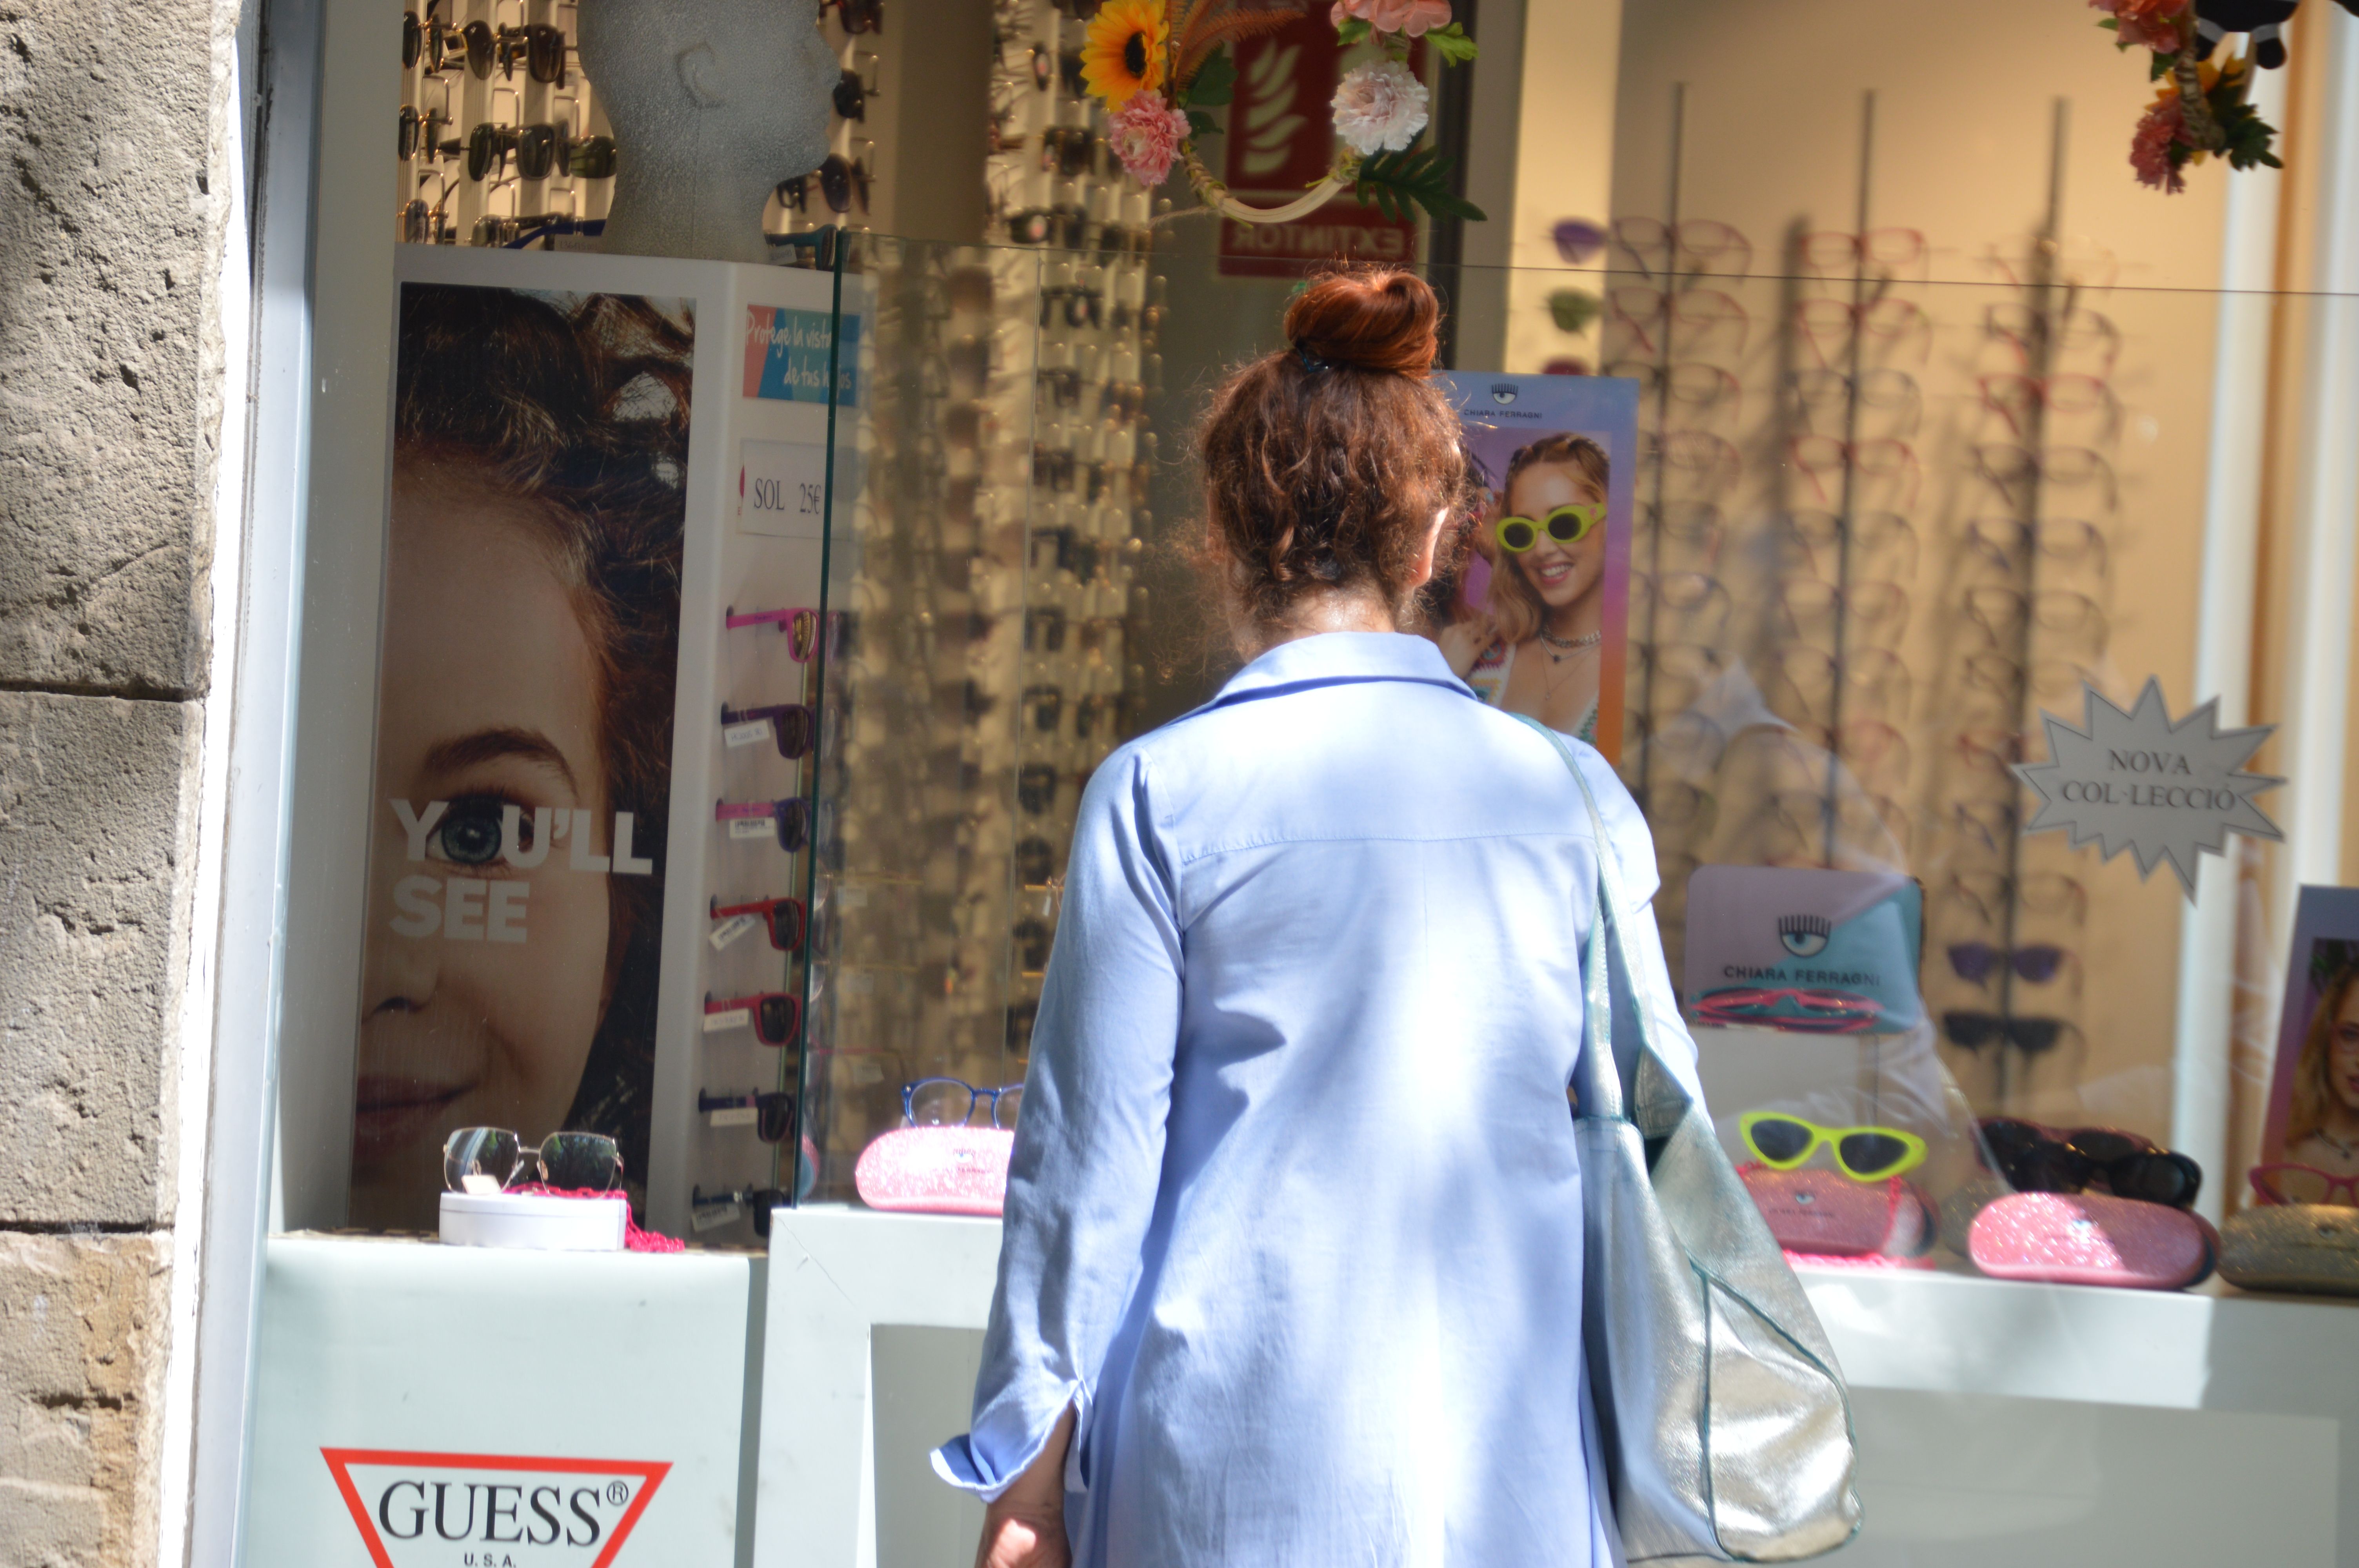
(613, 1381)
(2037, 1426)
(531, 1223)
(842, 1282)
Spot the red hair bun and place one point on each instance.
(1380, 320)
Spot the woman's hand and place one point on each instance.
(1463, 642)
(1026, 1528)
(1013, 1540)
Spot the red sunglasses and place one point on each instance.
(784, 916)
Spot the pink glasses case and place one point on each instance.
(936, 1170)
(1828, 1214)
(2089, 1239)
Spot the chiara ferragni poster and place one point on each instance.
(531, 631)
(1538, 622)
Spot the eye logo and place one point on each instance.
(1503, 392)
(1805, 936)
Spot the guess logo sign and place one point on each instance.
(492, 1510)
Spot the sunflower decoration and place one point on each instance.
(1127, 47)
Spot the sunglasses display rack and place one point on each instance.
(501, 138)
(766, 730)
(846, 191)
(988, 568)
(1049, 178)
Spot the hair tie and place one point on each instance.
(1311, 361)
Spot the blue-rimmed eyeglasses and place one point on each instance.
(951, 1102)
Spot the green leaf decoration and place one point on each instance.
(1451, 44)
(1352, 30)
(2248, 138)
(1202, 125)
(1574, 308)
(2161, 66)
(1396, 184)
(1215, 83)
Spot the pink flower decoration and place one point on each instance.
(1146, 134)
(1379, 108)
(1414, 17)
(2150, 147)
(2159, 34)
(2146, 24)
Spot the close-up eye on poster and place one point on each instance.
(523, 728)
(1166, 784)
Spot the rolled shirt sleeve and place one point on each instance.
(1088, 1159)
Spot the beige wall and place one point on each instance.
(1565, 130)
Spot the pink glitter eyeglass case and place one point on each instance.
(937, 1170)
(2089, 1239)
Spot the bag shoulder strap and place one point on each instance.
(1597, 1077)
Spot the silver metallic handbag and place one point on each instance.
(1725, 1426)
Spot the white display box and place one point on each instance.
(529, 1222)
(555, 1400)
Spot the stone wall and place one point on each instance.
(113, 178)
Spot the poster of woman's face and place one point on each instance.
(2310, 1149)
(1538, 624)
(523, 754)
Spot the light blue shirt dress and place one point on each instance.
(1294, 1218)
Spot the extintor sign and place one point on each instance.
(492, 1510)
(1280, 142)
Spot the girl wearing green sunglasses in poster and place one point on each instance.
(1541, 610)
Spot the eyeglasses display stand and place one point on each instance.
(532, 1222)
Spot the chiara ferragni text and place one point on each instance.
(462, 908)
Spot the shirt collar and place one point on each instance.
(1331, 657)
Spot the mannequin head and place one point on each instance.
(714, 102)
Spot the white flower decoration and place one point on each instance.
(1380, 108)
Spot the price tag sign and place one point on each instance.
(752, 827)
(734, 1018)
(736, 1116)
(731, 929)
(710, 1215)
(753, 732)
(782, 489)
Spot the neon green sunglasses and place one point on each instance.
(1864, 1153)
(1566, 524)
